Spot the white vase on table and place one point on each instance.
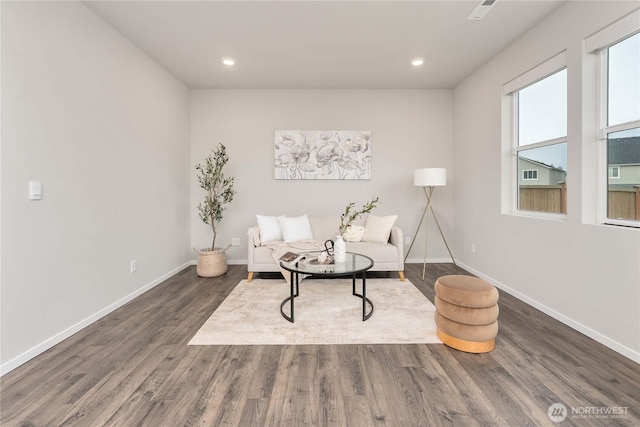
(339, 250)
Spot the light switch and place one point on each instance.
(35, 190)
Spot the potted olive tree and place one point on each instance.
(219, 192)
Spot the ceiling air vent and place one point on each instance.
(481, 10)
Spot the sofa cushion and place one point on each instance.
(269, 228)
(380, 252)
(378, 228)
(295, 229)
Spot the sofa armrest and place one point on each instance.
(396, 238)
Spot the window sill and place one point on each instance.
(539, 215)
(620, 223)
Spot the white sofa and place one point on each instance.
(386, 256)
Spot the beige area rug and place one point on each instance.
(325, 313)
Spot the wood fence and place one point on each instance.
(622, 204)
(548, 198)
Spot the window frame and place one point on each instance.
(533, 172)
(604, 129)
(548, 68)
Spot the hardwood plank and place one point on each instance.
(254, 412)
(223, 405)
(265, 371)
(331, 404)
(356, 408)
(387, 387)
(280, 409)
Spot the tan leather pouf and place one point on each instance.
(466, 313)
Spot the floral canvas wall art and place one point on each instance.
(320, 154)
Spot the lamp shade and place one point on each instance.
(430, 177)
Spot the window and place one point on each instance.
(620, 131)
(614, 172)
(540, 142)
(618, 50)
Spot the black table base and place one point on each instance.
(294, 282)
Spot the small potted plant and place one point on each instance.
(344, 229)
(219, 190)
(348, 216)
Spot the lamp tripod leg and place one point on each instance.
(417, 230)
(426, 232)
(445, 240)
(428, 211)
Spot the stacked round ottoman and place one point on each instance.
(466, 313)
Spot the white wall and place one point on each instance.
(106, 130)
(410, 129)
(584, 274)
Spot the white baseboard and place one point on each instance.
(61, 336)
(597, 336)
(429, 261)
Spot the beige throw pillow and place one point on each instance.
(378, 228)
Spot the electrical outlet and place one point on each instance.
(473, 248)
(235, 241)
(134, 266)
(407, 240)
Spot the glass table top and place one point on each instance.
(354, 263)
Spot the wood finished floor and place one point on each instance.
(133, 367)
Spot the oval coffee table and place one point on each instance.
(354, 264)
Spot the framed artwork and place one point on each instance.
(322, 154)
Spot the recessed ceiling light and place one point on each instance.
(228, 61)
(416, 62)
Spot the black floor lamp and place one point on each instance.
(428, 179)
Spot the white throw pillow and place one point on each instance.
(354, 233)
(269, 228)
(378, 228)
(295, 229)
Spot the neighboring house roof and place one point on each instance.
(544, 165)
(624, 151)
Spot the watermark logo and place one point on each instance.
(557, 412)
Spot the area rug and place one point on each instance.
(325, 313)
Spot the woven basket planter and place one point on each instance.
(211, 263)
